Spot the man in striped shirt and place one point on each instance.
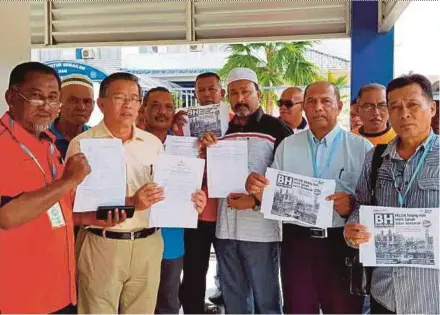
(411, 107)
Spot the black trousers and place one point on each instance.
(69, 309)
(168, 295)
(195, 266)
(377, 308)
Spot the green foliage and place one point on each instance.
(276, 64)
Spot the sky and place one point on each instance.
(417, 40)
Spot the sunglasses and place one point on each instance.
(287, 103)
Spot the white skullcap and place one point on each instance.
(76, 79)
(242, 74)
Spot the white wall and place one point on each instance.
(15, 40)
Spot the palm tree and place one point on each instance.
(340, 82)
(275, 64)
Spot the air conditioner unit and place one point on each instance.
(195, 48)
(88, 53)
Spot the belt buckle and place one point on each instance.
(104, 233)
(132, 236)
(318, 233)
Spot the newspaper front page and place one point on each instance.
(400, 237)
(207, 118)
(298, 199)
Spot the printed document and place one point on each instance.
(186, 146)
(298, 199)
(227, 168)
(400, 237)
(180, 176)
(213, 118)
(106, 184)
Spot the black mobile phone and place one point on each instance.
(101, 213)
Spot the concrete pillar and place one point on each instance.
(15, 41)
(372, 54)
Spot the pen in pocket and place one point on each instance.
(340, 172)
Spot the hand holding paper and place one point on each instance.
(148, 195)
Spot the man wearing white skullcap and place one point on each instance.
(77, 106)
(247, 243)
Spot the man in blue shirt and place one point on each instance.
(408, 178)
(313, 260)
(158, 113)
(77, 106)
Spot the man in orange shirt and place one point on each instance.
(37, 265)
(373, 112)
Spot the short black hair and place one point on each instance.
(406, 80)
(19, 73)
(125, 76)
(205, 75)
(337, 93)
(354, 101)
(156, 89)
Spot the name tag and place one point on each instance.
(56, 216)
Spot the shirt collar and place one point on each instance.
(391, 149)
(59, 136)
(102, 131)
(20, 133)
(329, 138)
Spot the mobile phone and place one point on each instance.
(101, 213)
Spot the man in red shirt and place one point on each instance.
(37, 263)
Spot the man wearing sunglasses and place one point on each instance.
(373, 112)
(77, 103)
(290, 105)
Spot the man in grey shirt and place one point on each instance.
(407, 178)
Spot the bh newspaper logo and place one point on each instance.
(284, 181)
(383, 220)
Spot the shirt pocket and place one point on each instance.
(427, 184)
(347, 181)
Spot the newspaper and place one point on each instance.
(299, 199)
(401, 237)
(207, 118)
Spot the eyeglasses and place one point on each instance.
(52, 101)
(368, 107)
(288, 103)
(121, 100)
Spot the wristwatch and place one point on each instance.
(257, 206)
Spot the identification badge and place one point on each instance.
(56, 216)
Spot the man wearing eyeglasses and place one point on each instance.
(373, 112)
(119, 267)
(290, 104)
(77, 105)
(37, 262)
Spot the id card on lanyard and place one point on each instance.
(55, 213)
(401, 196)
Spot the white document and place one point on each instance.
(186, 146)
(400, 237)
(227, 168)
(180, 176)
(298, 199)
(213, 118)
(106, 184)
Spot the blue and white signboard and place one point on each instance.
(65, 68)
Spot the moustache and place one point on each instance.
(238, 105)
(159, 117)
